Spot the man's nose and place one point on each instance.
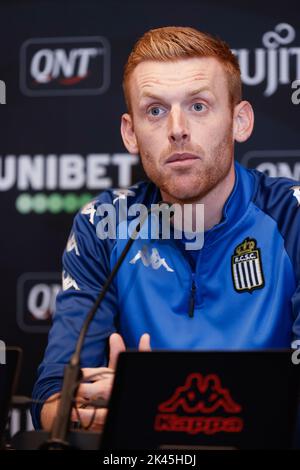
(178, 126)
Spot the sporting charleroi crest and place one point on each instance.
(246, 267)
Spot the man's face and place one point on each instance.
(183, 125)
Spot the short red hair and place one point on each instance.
(173, 43)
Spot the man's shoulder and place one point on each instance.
(279, 198)
(138, 192)
(274, 193)
(115, 200)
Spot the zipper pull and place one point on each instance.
(192, 300)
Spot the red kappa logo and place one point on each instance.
(188, 408)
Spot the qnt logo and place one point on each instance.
(36, 297)
(65, 66)
(189, 408)
(275, 163)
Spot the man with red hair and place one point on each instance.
(240, 289)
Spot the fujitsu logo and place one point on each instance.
(189, 408)
(273, 62)
(64, 66)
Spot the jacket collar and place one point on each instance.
(236, 204)
(234, 207)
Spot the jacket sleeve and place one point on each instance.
(86, 265)
(280, 198)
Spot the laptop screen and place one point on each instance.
(197, 400)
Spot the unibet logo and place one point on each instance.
(45, 175)
(66, 172)
(53, 203)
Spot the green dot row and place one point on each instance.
(54, 203)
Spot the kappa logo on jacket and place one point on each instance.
(89, 209)
(123, 193)
(68, 282)
(246, 266)
(72, 244)
(296, 193)
(154, 260)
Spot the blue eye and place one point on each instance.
(155, 111)
(198, 107)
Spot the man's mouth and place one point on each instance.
(181, 158)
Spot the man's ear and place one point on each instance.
(128, 134)
(243, 121)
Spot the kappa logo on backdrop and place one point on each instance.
(247, 272)
(154, 260)
(189, 408)
(65, 66)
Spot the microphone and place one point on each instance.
(72, 372)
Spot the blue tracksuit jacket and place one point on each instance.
(242, 293)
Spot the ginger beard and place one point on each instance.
(192, 183)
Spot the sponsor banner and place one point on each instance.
(58, 183)
(285, 163)
(276, 63)
(36, 296)
(19, 420)
(65, 66)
